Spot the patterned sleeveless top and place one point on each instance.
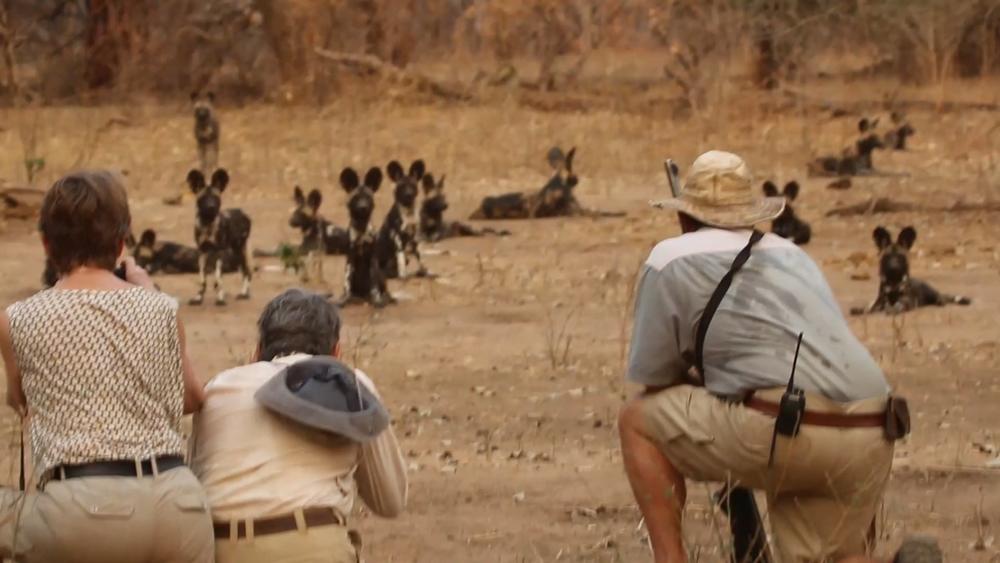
(102, 374)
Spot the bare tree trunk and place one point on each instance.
(10, 79)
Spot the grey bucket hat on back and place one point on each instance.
(719, 192)
(324, 394)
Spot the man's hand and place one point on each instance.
(136, 275)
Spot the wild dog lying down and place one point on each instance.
(555, 199)
(788, 225)
(895, 138)
(363, 276)
(433, 226)
(319, 236)
(216, 232)
(897, 291)
(855, 160)
(397, 239)
(166, 257)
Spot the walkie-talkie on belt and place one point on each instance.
(791, 408)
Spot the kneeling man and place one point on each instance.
(283, 445)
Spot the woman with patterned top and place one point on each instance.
(97, 366)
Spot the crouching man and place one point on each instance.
(283, 445)
(823, 454)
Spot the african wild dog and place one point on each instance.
(897, 291)
(319, 236)
(165, 257)
(217, 231)
(397, 239)
(363, 276)
(206, 130)
(895, 138)
(856, 160)
(433, 226)
(555, 199)
(788, 225)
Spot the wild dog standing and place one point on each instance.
(166, 257)
(788, 225)
(856, 160)
(319, 236)
(363, 276)
(897, 291)
(555, 199)
(216, 232)
(397, 239)
(206, 130)
(433, 226)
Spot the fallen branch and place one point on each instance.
(375, 65)
(872, 206)
(887, 205)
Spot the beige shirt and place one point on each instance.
(255, 464)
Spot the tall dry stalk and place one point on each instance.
(558, 339)
(29, 120)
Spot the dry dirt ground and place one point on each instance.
(505, 373)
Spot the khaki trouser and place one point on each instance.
(161, 519)
(321, 544)
(826, 483)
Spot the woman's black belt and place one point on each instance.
(118, 468)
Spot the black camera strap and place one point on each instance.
(716, 300)
(20, 480)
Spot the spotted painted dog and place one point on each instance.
(319, 236)
(555, 199)
(363, 276)
(397, 239)
(217, 231)
(206, 130)
(897, 291)
(788, 225)
(166, 257)
(433, 226)
(895, 138)
(856, 160)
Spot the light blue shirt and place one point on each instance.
(751, 340)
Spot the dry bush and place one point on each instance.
(255, 49)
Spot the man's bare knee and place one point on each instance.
(631, 418)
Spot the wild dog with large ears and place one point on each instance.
(555, 199)
(397, 242)
(856, 160)
(206, 130)
(319, 236)
(897, 291)
(433, 226)
(363, 276)
(788, 225)
(217, 231)
(166, 257)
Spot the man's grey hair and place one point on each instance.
(298, 321)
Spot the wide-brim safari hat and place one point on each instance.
(324, 394)
(718, 191)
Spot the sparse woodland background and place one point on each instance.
(67, 51)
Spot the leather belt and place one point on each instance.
(313, 517)
(812, 418)
(117, 468)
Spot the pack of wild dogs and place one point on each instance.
(375, 253)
